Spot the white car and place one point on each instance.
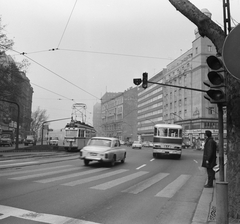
(53, 141)
(103, 149)
(136, 144)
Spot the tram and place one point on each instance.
(76, 135)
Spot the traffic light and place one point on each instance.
(216, 81)
(145, 80)
(137, 81)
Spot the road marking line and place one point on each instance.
(30, 171)
(43, 174)
(38, 217)
(70, 175)
(137, 188)
(195, 161)
(173, 187)
(140, 166)
(152, 160)
(16, 164)
(89, 179)
(118, 181)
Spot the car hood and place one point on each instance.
(93, 148)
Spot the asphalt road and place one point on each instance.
(143, 190)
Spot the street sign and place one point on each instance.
(231, 52)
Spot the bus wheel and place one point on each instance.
(86, 162)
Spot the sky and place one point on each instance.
(101, 46)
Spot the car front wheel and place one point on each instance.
(113, 162)
(86, 162)
(123, 159)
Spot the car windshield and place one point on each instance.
(100, 142)
(136, 142)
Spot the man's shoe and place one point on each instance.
(208, 186)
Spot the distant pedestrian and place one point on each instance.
(209, 157)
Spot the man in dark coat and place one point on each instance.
(209, 157)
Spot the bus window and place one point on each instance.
(173, 132)
(162, 132)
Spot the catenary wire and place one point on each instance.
(67, 23)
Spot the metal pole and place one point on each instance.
(221, 186)
(52, 121)
(220, 143)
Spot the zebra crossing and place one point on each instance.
(70, 176)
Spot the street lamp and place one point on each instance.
(51, 121)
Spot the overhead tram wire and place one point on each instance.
(67, 23)
(24, 54)
(52, 92)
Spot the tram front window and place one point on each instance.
(71, 133)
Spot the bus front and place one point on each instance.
(167, 140)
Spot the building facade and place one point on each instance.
(119, 114)
(186, 107)
(150, 107)
(20, 93)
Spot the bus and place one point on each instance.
(167, 140)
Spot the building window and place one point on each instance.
(196, 50)
(210, 110)
(180, 103)
(210, 48)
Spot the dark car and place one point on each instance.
(30, 140)
(6, 141)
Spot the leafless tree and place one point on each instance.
(38, 117)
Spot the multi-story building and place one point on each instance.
(19, 94)
(150, 107)
(97, 119)
(187, 107)
(119, 114)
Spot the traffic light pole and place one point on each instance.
(220, 143)
(181, 87)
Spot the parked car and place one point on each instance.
(30, 140)
(147, 144)
(6, 140)
(103, 149)
(53, 141)
(136, 144)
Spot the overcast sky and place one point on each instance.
(102, 45)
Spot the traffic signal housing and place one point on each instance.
(216, 81)
(137, 81)
(145, 80)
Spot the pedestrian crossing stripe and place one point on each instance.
(90, 179)
(44, 181)
(146, 183)
(167, 192)
(44, 174)
(118, 181)
(8, 211)
(31, 171)
(173, 187)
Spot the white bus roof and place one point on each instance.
(167, 126)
